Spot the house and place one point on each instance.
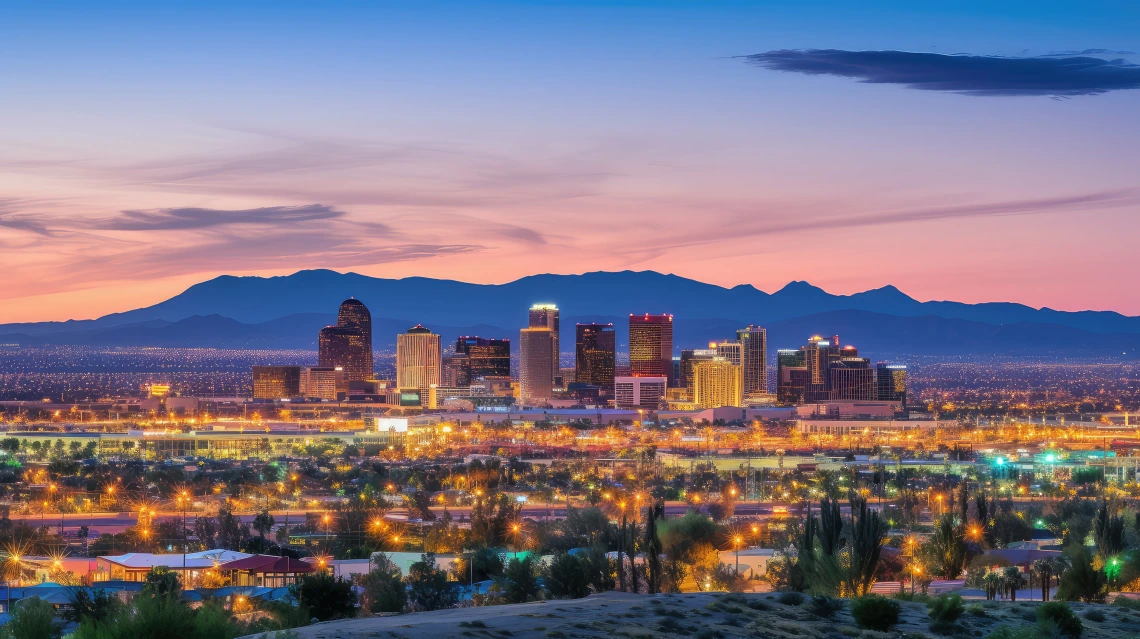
(134, 566)
(265, 571)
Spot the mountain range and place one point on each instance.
(287, 311)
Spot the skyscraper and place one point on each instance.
(536, 384)
(754, 358)
(546, 316)
(485, 357)
(276, 382)
(731, 350)
(891, 382)
(417, 359)
(717, 382)
(688, 357)
(595, 356)
(651, 346)
(343, 347)
(348, 345)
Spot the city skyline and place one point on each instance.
(684, 139)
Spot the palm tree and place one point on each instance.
(1012, 580)
(1043, 570)
(992, 583)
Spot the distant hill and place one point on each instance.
(287, 311)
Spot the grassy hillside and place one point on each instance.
(706, 615)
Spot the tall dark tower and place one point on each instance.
(348, 345)
(651, 346)
(594, 355)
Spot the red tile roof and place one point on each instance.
(268, 563)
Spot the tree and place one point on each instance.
(1082, 582)
(383, 586)
(32, 618)
(948, 548)
(1012, 581)
(263, 523)
(428, 588)
(867, 534)
(1108, 531)
(87, 604)
(520, 581)
(652, 547)
(567, 577)
(1046, 569)
(161, 581)
(325, 596)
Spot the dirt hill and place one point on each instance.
(706, 615)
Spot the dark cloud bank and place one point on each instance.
(966, 74)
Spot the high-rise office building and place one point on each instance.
(322, 382)
(731, 350)
(639, 392)
(276, 382)
(688, 356)
(890, 380)
(717, 382)
(651, 346)
(792, 376)
(418, 361)
(823, 371)
(546, 316)
(485, 357)
(754, 358)
(354, 314)
(536, 383)
(456, 371)
(343, 347)
(348, 345)
(595, 356)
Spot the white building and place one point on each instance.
(639, 392)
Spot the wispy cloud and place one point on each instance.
(763, 222)
(1057, 74)
(200, 218)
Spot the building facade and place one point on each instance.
(276, 382)
(595, 356)
(754, 358)
(418, 363)
(536, 381)
(643, 393)
(651, 346)
(484, 357)
(717, 382)
(348, 345)
(546, 316)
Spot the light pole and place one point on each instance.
(737, 540)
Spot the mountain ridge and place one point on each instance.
(256, 301)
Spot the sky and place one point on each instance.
(970, 151)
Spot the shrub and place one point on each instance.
(32, 618)
(1128, 603)
(327, 597)
(1059, 614)
(875, 612)
(976, 610)
(945, 608)
(1094, 615)
(790, 598)
(825, 607)
(1010, 632)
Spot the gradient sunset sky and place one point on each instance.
(146, 148)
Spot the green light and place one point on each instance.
(1049, 458)
(1000, 461)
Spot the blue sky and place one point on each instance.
(487, 141)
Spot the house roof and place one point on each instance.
(268, 563)
(194, 560)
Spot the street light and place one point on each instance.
(737, 539)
